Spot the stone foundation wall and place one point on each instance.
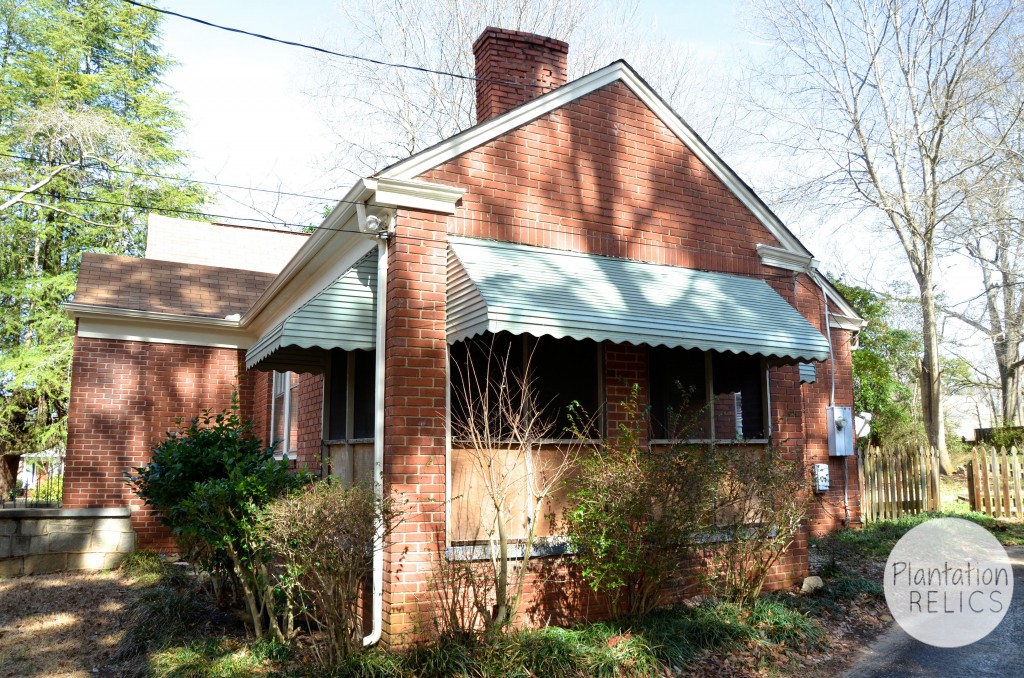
(36, 541)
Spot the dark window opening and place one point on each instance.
(678, 393)
(679, 383)
(562, 371)
(351, 394)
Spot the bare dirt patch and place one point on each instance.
(61, 625)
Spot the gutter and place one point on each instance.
(377, 605)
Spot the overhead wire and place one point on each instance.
(151, 208)
(51, 163)
(323, 50)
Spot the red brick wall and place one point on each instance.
(311, 416)
(604, 175)
(126, 396)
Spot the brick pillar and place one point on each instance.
(414, 427)
(625, 365)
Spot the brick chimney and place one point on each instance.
(504, 56)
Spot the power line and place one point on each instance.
(57, 196)
(292, 43)
(170, 178)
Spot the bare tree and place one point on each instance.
(381, 114)
(991, 235)
(499, 426)
(880, 95)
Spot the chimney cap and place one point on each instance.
(495, 33)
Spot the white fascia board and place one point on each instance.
(99, 322)
(844, 322)
(778, 257)
(337, 245)
(480, 134)
(319, 272)
(338, 228)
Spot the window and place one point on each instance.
(284, 426)
(349, 415)
(562, 371)
(351, 395)
(696, 392)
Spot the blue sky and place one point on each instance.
(249, 122)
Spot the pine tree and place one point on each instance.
(84, 117)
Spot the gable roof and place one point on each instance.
(152, 285)
(619, 71)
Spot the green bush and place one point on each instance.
(761, 497)
(208, 481)
(633, 515)
(51, 489)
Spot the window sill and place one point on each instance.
(708, 441)
(543, 547)
(549, 547)
(467, 445)
(347, 441)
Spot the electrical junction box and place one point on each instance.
(820, 472)
(840, 431)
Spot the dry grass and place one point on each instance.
(62, 625)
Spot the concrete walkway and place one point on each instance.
(1001, 653)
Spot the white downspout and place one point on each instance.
(378, 426)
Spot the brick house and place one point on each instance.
(582, 221)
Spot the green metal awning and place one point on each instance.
(342, 316)
(497, 286)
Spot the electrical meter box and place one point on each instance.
(840, 431)
(820, 477)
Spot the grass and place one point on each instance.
(876, 540)
(216, 658)
(647, 646)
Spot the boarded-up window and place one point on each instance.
(559, 372)
(477, 473)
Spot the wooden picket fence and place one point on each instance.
(898, 482)
(994, 481)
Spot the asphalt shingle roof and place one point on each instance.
(167, 286)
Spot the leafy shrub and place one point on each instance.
(208, 480)
(324, 534)
(760, 497)
(637, 515)
(51, 489)
(634, 514)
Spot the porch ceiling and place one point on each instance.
(496, 286)
(342, 316)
